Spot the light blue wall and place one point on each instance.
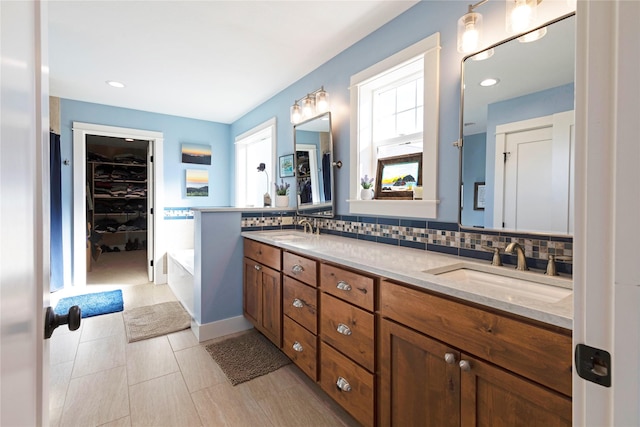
(422, 20)
(539, 104)
(176, 130)
(473, 170)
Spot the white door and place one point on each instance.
(534, 186)
(24, 213)
(150, 211)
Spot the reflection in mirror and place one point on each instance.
(313, 166)
(517, 134)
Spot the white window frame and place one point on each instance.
(241, 142)
(429, 50)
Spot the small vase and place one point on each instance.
(366, 193)
(282, 201)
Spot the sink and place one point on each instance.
(505, 283)
(286, 236)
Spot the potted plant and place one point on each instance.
(366, 193)
(282, 194)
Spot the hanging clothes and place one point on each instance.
(56, 255)
(326, 176)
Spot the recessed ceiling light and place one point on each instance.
(113, 83)
(489, 82)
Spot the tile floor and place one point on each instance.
(98, 379)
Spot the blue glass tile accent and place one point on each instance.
(251, 215)
(288, 227)
(449, 226)
(251, 228)
(388, 241)
(442, 249)
(412, 244)
(368, 219)
(413, 223)
(476, 254)
(349, 235)
(561, 239)
(271, 227)
(334, 232)
(366, 237)
(389, 221)
(350, 218)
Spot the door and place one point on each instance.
(492, 397)
(533, 185)
(418, 386)
(252, 292)
(24, 213)
(150, 212)
(271, 305)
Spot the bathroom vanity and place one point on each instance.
(399, 336)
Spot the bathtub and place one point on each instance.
(180, 276)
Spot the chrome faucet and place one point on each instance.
(522, 260)
(306, 224)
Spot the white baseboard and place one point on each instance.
(220, 328)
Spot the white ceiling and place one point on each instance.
(210, 60)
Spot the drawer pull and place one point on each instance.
(343, 329)
(465, 365)
(297, 347)
(343, 286)
(297, 303)
(257, 267)
(450, 358)
(297, 269)
(343, 385)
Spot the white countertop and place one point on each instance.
(408, 266)
(241, 209)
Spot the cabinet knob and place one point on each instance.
(297, 268)
(465, 365)
(343, 286)
(343, 384)
(450, 358)
(343, 329)
(297, 303)
(257, 267)
(297, 347)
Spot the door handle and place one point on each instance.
(53, 320)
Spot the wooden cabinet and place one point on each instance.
(347, 348)
(510, 371)
(262, 294)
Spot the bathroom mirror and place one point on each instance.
(517, 135)
(313, 159)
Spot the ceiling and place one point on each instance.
(209, 60)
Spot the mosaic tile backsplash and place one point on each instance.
(444, 237)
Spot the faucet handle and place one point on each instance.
(496, 254)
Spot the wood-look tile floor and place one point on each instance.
(98, 379)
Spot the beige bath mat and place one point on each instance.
(155, 320)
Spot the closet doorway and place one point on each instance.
(115, 225)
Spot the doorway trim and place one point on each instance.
(156, 140)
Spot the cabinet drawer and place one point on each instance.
(540, 354)
(264, 254)
(347, 285)
(356, 394)
(299, 302)
(303, 269)
(300, 345)
(348, 329)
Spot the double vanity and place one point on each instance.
(399, 336)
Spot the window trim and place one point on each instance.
(429, 50)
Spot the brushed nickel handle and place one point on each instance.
(257, 267)
(343, 384)
(343, 286)
(465, 365)
(343, 329)
(450, 358)
(297, 347)
(297, 268)
(297, 303)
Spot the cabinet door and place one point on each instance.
(494, 397)
(252, 292)
(418, 387)
(271, 319)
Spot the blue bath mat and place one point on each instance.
(92, 304)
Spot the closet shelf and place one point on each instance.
(139, 165)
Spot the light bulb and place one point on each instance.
(322, 101)
(469, 32)
(308, 107)
(296, 114)
(522, 15)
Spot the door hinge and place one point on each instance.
(506, 154)
(151, 263)
(151, 212)
(150, 159)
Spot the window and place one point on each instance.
(252, 148)
(396, 113)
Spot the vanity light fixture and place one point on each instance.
(115, 84)
(521, 15)
(316, 102)
(470, 29)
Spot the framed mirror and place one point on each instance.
(313, 159)
(517, 133)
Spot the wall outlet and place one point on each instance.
(287, 220)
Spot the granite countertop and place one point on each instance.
(551, 302)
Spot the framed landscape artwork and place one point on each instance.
(196, 153)
(286, 166)
(197, 183)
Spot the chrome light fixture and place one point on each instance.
(470, 29)
(314, 103)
